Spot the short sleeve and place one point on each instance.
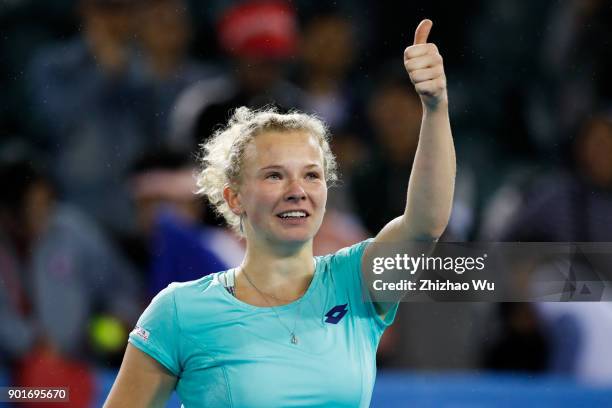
(346, 270)
(157, 331)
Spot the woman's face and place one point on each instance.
(283, 190)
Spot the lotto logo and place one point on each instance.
(336, 314)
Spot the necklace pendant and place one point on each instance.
(294, 339)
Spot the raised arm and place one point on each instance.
(141, 382)
(432, 180)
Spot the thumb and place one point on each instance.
(422, 32)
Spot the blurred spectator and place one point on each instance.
(260, 37)
(574, 205)
(395, 114)
(92, 111)
(164, 31)
(123, 96)
(324, 75)
(59, 273)
(577, 30)
(172, 243)
(62, 269)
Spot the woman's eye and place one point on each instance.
(273, 176)
(313, 175)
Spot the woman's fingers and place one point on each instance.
(415, 51)
(432, 87)
(425, 61)
(422, 75)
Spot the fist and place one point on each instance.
(424, 65)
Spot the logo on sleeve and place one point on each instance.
(336, 314)
(139, 331)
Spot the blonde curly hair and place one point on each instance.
(222, 156)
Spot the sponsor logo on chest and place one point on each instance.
(336, 313)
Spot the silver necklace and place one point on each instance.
(292, 336)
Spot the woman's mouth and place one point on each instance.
(293, 217)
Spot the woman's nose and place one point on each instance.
(295, 192)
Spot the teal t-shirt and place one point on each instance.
(227, 353)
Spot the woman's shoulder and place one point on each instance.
(352, 252)
(190, 304)
(185, 291)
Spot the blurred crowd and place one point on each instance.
(105, 102)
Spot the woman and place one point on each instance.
(284, 328)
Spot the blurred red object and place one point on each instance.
(45, 368)
(259, 29)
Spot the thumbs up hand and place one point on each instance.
(424, 65)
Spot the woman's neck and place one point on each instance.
(284, 273)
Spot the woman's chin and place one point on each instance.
(294, 237)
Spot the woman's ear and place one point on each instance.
(232, 199)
